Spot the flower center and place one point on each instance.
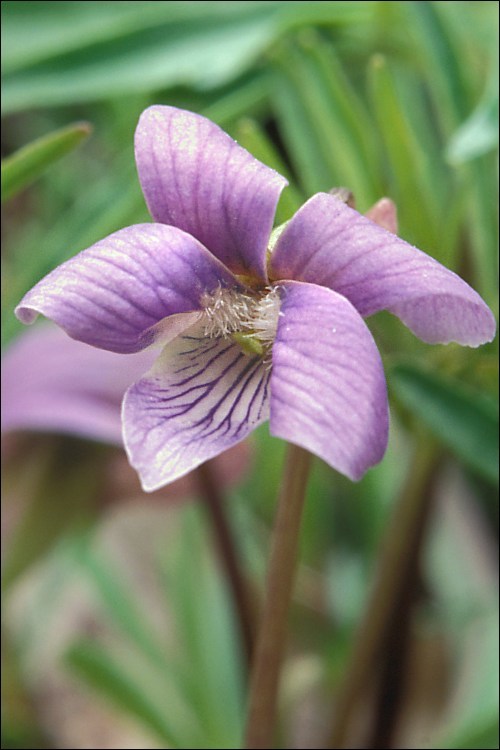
(250, 319)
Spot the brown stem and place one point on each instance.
(394, 670)
(266, 667)
(396, 650)
(395, 557)
(209, 490)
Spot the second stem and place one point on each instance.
(264, 682)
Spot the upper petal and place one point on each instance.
(202, 396)
(195, 177)
(328, 391)
(115, 294)
(52, 383)
(328, 243)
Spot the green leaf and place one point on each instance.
(59, 480)
(342, 118)
(481, 174)
(34, 32)
(133, 54)
(465, 420)
(96, 665)
(323, 122)
(442, 52)
(419, 180)
(206, 631)
(122, 607)
(456, 78)
(23, 167)
(474, 724)
(51, 29)
(248, 96)
(195, 673)
(479, 133)
(301, 141)
(437, 48)
(477, 136)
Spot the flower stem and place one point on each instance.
(403, 536)
(209, 490)
(266, 666)
(394, 664)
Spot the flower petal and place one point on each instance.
(201, 396)
(328, 391)
(328, 243)
(53, 383)
(116, 294)
(195, 177)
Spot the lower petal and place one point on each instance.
(202, 396)
(328, 391)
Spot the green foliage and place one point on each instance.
(23, 167)
(479, 133)
(465, 420)
(95, 665)
(59, 479)
(185, 686)
(80, 52)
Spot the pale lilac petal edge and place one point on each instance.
(328, 390)
(51, 383)
(331, 244)
(196, 177)
(124, 293)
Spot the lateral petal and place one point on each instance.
(201, 396)
(196, 177)
(328, 391)
(129, 289)
(329, 243)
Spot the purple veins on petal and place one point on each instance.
(330, 244)
(128, 290)
(201, 396)
(196, 177)
(284, 339)
(328, 391)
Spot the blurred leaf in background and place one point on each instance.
(25, 165)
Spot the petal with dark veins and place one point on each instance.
(196, 177)
(130, 289)
(202, 396)
(328, 243)
(328, 391)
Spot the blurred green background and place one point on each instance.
(395, 99)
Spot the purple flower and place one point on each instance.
(51, 383)
(76, 389)
(254, 325)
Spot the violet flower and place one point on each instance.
(77, 390)
(253, 325)
(51, 383)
